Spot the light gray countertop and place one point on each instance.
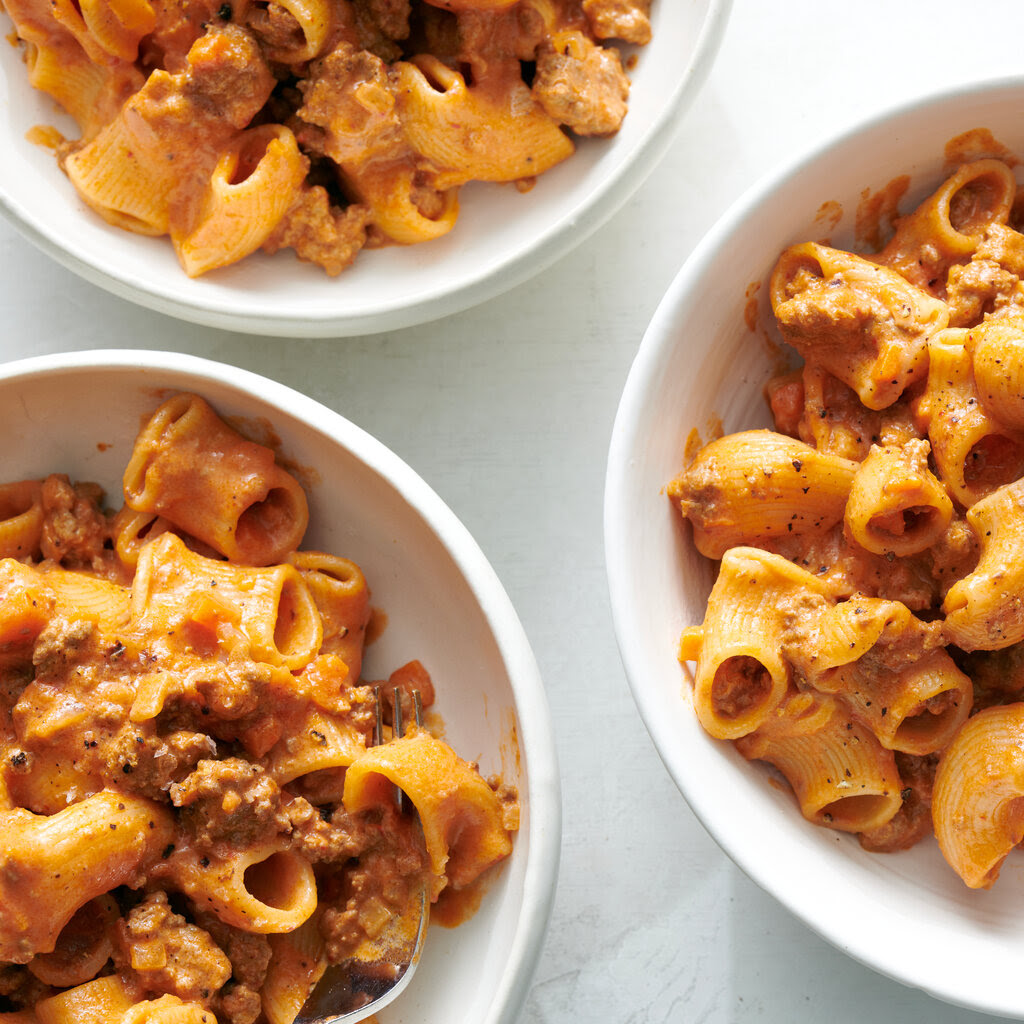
(507, 409)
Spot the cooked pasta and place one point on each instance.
(195, 820)
(324, 126)
(865, 630)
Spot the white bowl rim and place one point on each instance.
(535, 734)
(405, 310)
(655, 343)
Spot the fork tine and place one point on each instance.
(398, 719)
(378, 719)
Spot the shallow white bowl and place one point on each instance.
(79, 413)
(502, 236)
(907, 915)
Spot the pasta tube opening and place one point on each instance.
(928, 726)
(993, 461)
(740, 689)
(296, 627)
(903, 524)
(947, 227)
(261, 524)
(83, 946)
(277, 881)
(855, 813)
(896, 503)
(263, 889)
(978, 194)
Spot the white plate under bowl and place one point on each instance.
(78, 414)
(906, 915)
(502, 236)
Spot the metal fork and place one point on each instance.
(354, 990)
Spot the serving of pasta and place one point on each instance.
(323, 126)
(864, 634)
(196, 823)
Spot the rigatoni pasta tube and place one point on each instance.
(388, 189)
(460, 814)
(996, 350)
(742, 675)
(251, 188)
(754, 485)
(83, 948)
(947, 226)
(480, 133)
(193, 469)
(342, 597)
(124, 172)
(51, 865)
(318, 743)
(865, 324)
(912, 705)
(263, 888)
(63, 70)
(108, 30)
(896, 504)
(267, 613)
(841, 775)
(978, 799)
(825, 637)
(984, 609)
(119, 172)
(132, 530)
(974, 452)
(91, 93)
(315, 20)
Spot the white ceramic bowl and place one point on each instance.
(79, 413)
(502, 236)
(907, 915)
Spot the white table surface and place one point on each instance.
(507, 409)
